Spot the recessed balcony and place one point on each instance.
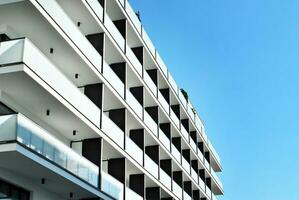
(177, 190)
(165, 179)
(186, 196)
(164, 139)
(151, 166)
(151, 124)
(112, 186)
(134, 150)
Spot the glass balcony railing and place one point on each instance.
(134, 104)
(133, 17)
(175, 152)
(194, 175)
(185, 165)
(151, 124)
(185, 133)
(164, 139)
(114, 32)
(112, 186)
(193, 145)
(208, 192)
(161, 64)
(174, 118)
(173, 83)
(113, 79)
(134, 150)
(177, 190)
(133, 59)
(19, 128)
(165, 179)
(186, 196)
(163, 102)
(130, 194)
(201, 184)
(214, 175)
(96, 8)
(149, 82)
(200, 155)
(214, 151)
(151, 166)
(214, 197)
(148, 42)
(112, 130)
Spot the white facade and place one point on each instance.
(89, 110)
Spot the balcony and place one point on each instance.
(130, 194)
(149, 82)
(190, 111)
(194, 175)
(112, 187)
(174, 118)
(113, 79)
(38, 71)
(134, 104)
(163, 102)
(216, 178)
(164, 139)
(207, 164)
(173, 83)
(186, 196)
(200, 155)
(112, 131)
(151, 166)
(161, 64)
(185, 133)
(151, 124)
(165, 179)
(114, 32)
(133, 150)
(185, 165)
(133, 59)
(214, 153)
(133, 17)
(148, 42)
(208, 192)
(177, 190)
(193, 145)
(175, 152)
(96, 8)
(214, 197)
(182, 99)
(47, 156)
(201, 184)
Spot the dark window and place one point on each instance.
(4, 110)
(11, 192)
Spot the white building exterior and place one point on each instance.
(89, 110)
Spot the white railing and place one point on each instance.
(71, 31)
(173, 83)
(133, 59)
(182, 99)
(216, 178)
(208, 192)
(134, 150)
(133, 17)
(165, 179)
(201, 184)
(114, 32)
(185, 165)
(134, 104)
(131, 195)
(164, 139)
(174, 118)
(200, 155)
(186, 196)
(185, 133)
(194, 175)
(175, 152)
(151, 124)
(148, 42)
(112, 186)
(177, 190)
(161, 64)
(96, 8)
(150, 83)
(204, 135)
(192, 144)
(163, 102)
(190, 111)
(19, 128)
(151, 166)
(207, 164)
(113, 79)
(112, 130)
(198, 123)
(23, 50)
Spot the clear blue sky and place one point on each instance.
(239, 62)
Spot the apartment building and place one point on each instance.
(88, 109)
